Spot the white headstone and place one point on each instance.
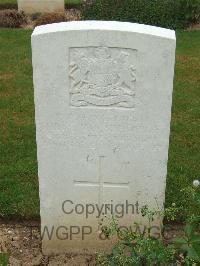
(43, 6)
(103, 94)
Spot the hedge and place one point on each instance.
(164, 13)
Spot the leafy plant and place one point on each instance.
(164, 13)
(189, 244)
(74, 3)
(191, 10)
(145, 249)
(135, 249)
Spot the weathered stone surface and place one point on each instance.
(43, 6)
(103, 93)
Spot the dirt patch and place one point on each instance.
(23, 244)
(6, 76)
(194, 27)
(21, 240)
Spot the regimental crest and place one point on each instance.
(102, 77)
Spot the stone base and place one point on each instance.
(34, 6)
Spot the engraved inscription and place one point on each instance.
(102, 77)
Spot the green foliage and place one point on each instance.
(171, 212)
(164, 13)
(143, 252)
(191, 10)
(190, 196)
(189, 244)
(135, 249)
(146, 249)
(74, 3)
(4, 258)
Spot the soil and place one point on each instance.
(194, 27)
(21, 240)
(23, 244)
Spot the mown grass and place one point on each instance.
(74, 2)
(2, 2)
(4, 259)
(184, 155)
(18, 164)
(18, 172)
(8, 4)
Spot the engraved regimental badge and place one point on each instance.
(102, 77)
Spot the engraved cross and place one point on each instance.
(101, 183)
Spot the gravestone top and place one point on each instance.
(103, 26)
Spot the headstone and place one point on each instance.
(40, 6)
(103, 94)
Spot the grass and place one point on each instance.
(74, 2)
(18, 172)
(7, 2)
(18, 165)
(184, 155)
(4, 259)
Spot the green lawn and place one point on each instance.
(73, 2)
(18, 165)
(184, 152)
(7, 2)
